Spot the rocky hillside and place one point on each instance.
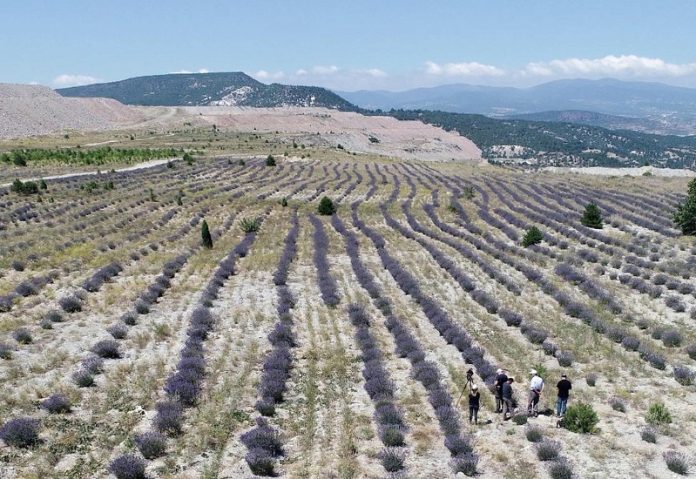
(37, 110)
(201, 89)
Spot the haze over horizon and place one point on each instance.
(391, 45)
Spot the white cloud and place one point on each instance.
(462, 69)
(66, 80)
(301, 72)
(612, 65)
(202, 70)
(265, 75)
(373, 72)
(325, 70)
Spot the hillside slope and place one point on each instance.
(36, 110)
(562, 144)
(202, 89)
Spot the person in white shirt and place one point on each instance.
(536, 386)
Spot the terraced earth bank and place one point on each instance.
(307, 345)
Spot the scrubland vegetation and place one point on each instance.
(223, 318)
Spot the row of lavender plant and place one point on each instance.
(327, 284)
(184, 385)
(534, 334)
(263, 441)
(572, 307)
(407, 346)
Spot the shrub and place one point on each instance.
(561, 469)
(142, 307)
(260, 462)
(118, 331)
(169, 417)
(56, 404)
(129, 318)
(676, 462)
(592, 217)
(466, 464)
(70, 304)
(22, 336)
(128, 466)
(54, 316)
(519, 419)
(250, 225)
(548, 450)
(648, 434)
(617, 404)
(658, 415)
(684, 375)
(532, 237)
(107, 349)
(18, 265)
(392, 437)
(46, 324)
(671, 338)
(691, 351)
(20, 432)
(83, 378)
(93, 364)
(206, 238)
(565, 358)
(151, 444)
(392, 459)
(533, 433)
(581, 418)
(270, 161)
(24, 188)
(5, 351)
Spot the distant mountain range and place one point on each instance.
(660, 108)
(201, 89)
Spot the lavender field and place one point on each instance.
(336, 346)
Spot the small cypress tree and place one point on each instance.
(533, 236)
(206, 239)
(188, 158)
(270, 161)
(326, 206)
(284, 202)
(685, 216)
(43, 185)
(592, 217)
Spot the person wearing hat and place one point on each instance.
(507, 395)
(500, 379)
(474, 397)
(564, 386)
(536, 386)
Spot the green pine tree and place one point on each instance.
(326, 206)
(206, 239)
(533, 236)
(685, 216)
(270, 161)
(592, 217)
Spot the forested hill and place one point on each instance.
(562, 144)
(199, 89)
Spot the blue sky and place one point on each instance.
(350, 44)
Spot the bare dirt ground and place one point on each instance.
(27, 110)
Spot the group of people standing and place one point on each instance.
(505, 399)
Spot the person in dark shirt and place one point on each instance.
(507, 396)
(500, 379)
(474, 397)
(564, 386)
